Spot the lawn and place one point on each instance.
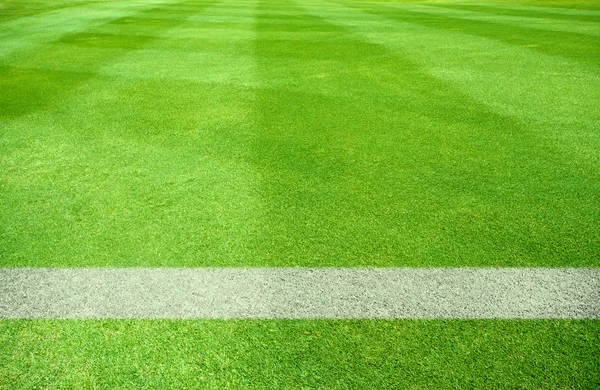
(307, 133)
(198, 133)
(302, 354)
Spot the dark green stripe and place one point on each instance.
(533, 13)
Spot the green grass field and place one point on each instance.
(299, 134)
(167, 133)
(300, 354)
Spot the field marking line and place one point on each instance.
(297, 293)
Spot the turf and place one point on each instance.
(299, 133)
(248, 133)
(300, 354)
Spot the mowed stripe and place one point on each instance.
(299, 134)
(297, 293)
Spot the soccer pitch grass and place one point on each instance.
(241, 133)
(299, 354)
(166, 133)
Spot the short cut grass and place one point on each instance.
(297, 133)
(308, 354)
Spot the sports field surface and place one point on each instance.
(300, 136)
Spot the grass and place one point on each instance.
(206, 133)
(300, 354)
(299, 133)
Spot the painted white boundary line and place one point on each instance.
(296, 293)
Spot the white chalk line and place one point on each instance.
(300, 293)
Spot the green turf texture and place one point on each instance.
(299, 354)
(308, 133)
